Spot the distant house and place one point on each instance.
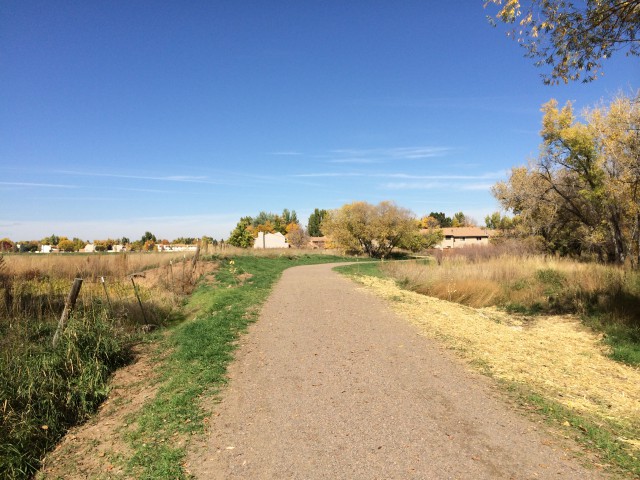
(89, 248)
(46, 249)
(176, 247)
(459, 237)
(317, 242)
(270, 240)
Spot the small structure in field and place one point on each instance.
(176, 247)
(459, 237)
(89, 248)
(270, 240)
(317, 242)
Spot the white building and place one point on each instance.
(270, 240)
(176, 247)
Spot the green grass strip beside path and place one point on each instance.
(201, 349)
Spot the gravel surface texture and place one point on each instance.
(329, 383)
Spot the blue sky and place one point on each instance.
(180, 117)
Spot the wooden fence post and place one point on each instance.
(106, 294)
(194, 261)
(184, 263)
(135, 289)
(68, 307)
(173, 286)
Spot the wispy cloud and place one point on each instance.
(30, 184)
(437, 185)
(168, 178)
(355, 160)
(375, 155)
(394, 153)
(416, 185)
(184, 178)
(9, 225)
(477, 186)
(480, 176)
(286, 153)
(329, 174)
(145, 190)
(404, 176)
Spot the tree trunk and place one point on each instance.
(616, 236)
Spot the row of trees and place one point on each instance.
(286, 223)
(148, 242)
(582, 194)
(357, 227)
(440, 220)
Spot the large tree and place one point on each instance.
(375, 230)
(572, 38)
(583, 192)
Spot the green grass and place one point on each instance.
(45, 390)
(592, 435)
(624, 340)
(201, 350)
(367, 268)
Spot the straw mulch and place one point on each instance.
(553, 356)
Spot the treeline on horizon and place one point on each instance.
(147, 242)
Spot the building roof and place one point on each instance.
(465, 232)
(458, 232)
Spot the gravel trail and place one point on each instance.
(329, 383)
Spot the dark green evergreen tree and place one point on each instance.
(315, 222)
(442, 219)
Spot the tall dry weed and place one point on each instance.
(89, 266)
(525, 283)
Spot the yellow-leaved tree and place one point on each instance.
(573, 38)
(582, 194)
(375, 230)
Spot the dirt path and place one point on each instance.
(329, 383)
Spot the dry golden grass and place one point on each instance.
(507, 280)
(36, 286)
(89, 265)
(554, 356)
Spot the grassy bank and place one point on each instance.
(201, 349)
(45, 390)
(548, 363)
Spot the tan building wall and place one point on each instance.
(459, 237)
